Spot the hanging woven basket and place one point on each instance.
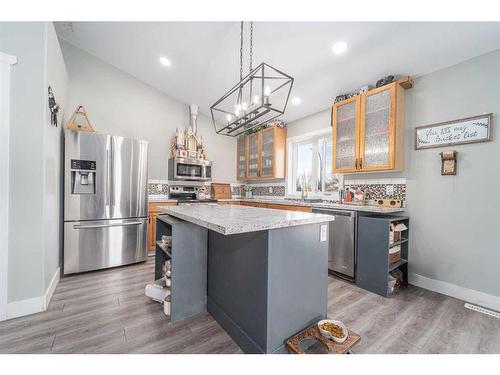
(79, 121)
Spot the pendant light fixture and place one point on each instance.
(257, 98)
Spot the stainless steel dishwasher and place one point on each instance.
(342, 241)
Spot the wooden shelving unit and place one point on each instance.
(373, 265)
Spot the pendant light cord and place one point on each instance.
(251, 44)
(241, 51)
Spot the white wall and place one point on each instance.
(34, 198)
(119, 104)
(455, 220)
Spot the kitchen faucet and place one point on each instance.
(303, 193)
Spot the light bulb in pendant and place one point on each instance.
(267, 91)
(238, 109)
(256, 99)
(244, 106)
(229, 118)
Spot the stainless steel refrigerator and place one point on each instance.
(105, 201)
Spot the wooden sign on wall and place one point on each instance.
(461, 131)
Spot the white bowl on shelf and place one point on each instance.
(328, 335)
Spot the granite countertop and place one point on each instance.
(231, 219)
(291, 202)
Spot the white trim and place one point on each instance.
(464, 294)
(51, 288)
(25, 307)
(5, 62)
(34, 305)
(291, 158)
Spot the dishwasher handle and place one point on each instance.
(335, 212)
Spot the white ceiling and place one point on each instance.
(205, 55)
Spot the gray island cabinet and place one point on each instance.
(266, 270)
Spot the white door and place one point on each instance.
(5, 62)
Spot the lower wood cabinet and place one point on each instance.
(225, 203)
(277, 206)
(153, 212)
(289, 207)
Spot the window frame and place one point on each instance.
(313, 137)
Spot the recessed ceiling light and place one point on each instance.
(296, 101)
(339, 47)
(165, 61)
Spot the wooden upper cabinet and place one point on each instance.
(368, 131)
(345, 134)
(241, 164)
(265, 154)
(253, 155)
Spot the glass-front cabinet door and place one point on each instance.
(253, 156)
(377, 126)
(345, 134)
(242, 158)
(267, 153)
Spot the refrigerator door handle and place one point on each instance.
(112, 174)
(91, 226)
(108, 178)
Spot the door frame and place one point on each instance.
(5, 63)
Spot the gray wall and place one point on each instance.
(57, 78)
(26, 41)
(117, 103)
(455, 220)
(34, 247)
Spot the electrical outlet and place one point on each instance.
(322, 233)
(159, 187)
(389, 190)
(270, 189)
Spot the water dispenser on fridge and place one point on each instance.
(83, 174)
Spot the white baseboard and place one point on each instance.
(25, 307)
(33, 305)
(464, 294)
(52, 286)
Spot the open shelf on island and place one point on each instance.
(397, 264)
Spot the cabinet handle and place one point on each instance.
(361, 163)
(356, 164)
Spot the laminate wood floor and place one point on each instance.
(107, 312)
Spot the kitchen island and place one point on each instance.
(267, 274)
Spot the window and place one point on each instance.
(310, 165)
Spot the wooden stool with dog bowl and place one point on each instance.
(328, 336)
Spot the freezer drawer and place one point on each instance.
(92, 245)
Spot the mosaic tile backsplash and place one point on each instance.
(157, 188)
(372, 190)
(378, 191)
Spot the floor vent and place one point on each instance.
(482, 310)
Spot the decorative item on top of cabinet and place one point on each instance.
(368, 131)
(264, 155)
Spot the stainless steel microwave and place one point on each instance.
(184, 169)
